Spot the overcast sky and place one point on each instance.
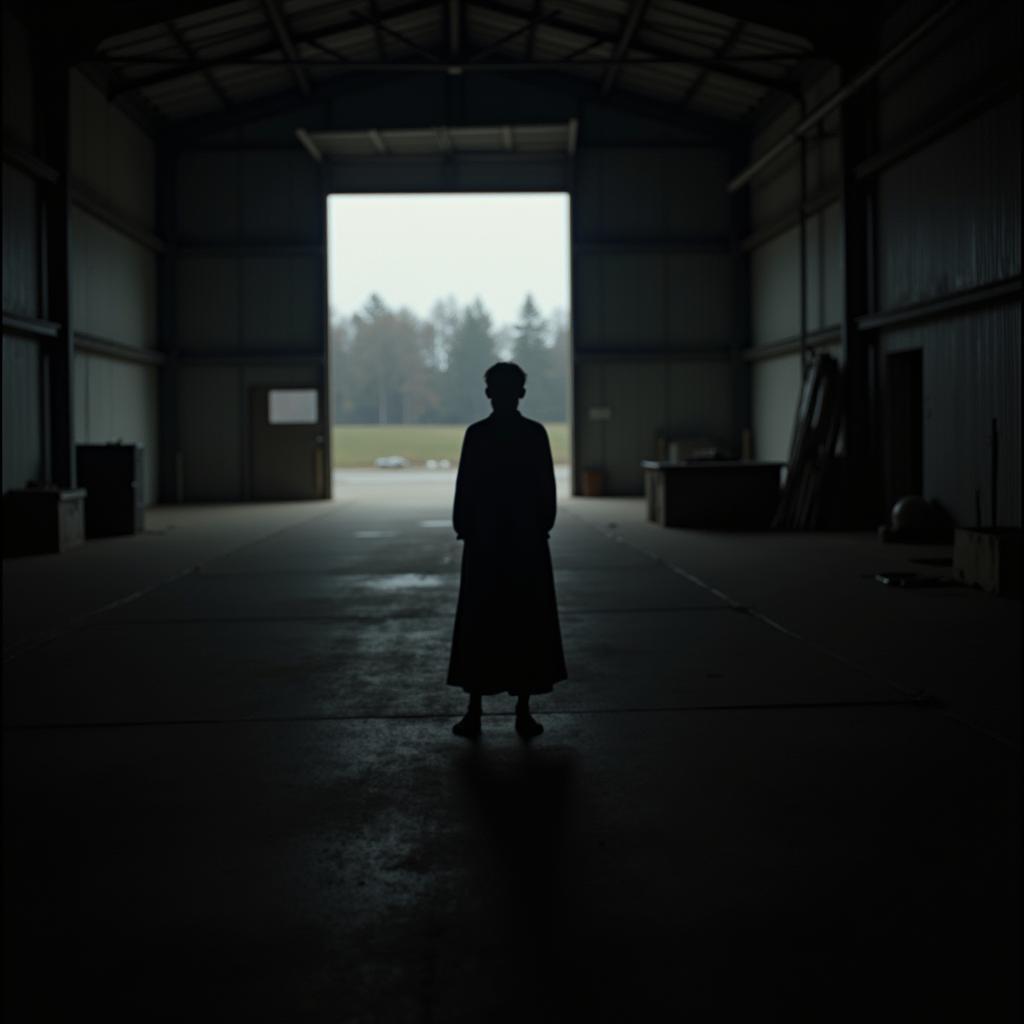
(415, 249)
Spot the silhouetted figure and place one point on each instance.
(507, 637)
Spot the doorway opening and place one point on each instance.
(425, 292)
(905, 425)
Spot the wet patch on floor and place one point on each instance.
(404, 581)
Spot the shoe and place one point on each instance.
(527, 726)
(468, 726)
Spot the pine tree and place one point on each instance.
(470, 353)
(530, 350)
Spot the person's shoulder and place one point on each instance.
(535, 425)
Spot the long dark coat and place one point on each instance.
(507, 637)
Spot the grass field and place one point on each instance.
(359, 444)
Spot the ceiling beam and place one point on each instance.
(651, 50)
(732, 135)
(633, 19)
(182, 44)
(454, 29)
(191, 67)
(383, 29)
(275, 16)
(354, 23)
(534, 18)
(727, 44)
(830, 28)
(530, 27)
(377, 33)
(655, 57)
(309, 145)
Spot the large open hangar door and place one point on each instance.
(410, 269)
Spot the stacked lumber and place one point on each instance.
(819, 417)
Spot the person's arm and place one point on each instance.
(548, 497)
(462, 514)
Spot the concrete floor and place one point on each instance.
(231, 790)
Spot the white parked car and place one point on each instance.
(391, 462)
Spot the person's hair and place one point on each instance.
(505, 377)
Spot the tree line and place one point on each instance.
(390, 366)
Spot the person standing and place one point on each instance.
(506, 636)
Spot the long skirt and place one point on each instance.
(507, 638)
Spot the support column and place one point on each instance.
(53, 86)
(861, 444)
(170, 482)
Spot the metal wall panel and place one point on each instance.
(117, 401)
(668, 192)
(775, 389)
(280, 302)
(940, 72)
(701, 403)
(775, 193)
(632, 203)
(823, 297)
(18, 92)
(22, 413)
(655, 300)
(638, 402)
(113, 292)
(949, 216)
(210, 409)
(637, 396)
(208, 197)
(280, 195)
(702, 301)
(646, 291)
(823, 160)
(21, 243)
(695, 203)
(971, 366)
(832, 277)
(768, 133)
(814, 296)
(775, 288)
(629, 300)
(110, 154)
(208, 302)
(239, 288)
(591, 435)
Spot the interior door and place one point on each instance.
(905, 427)
(287, 444)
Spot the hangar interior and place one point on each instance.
(751, 186)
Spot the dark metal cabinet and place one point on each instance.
(112, 474)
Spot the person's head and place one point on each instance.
(506, 384)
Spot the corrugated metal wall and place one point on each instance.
(948, 222)
(949, 215)
(113, 279)
(22, 357)
(112, 274)
(795, 257)
(249, 301)
(657, 306)
(944, 202)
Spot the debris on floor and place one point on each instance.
(913, 580)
